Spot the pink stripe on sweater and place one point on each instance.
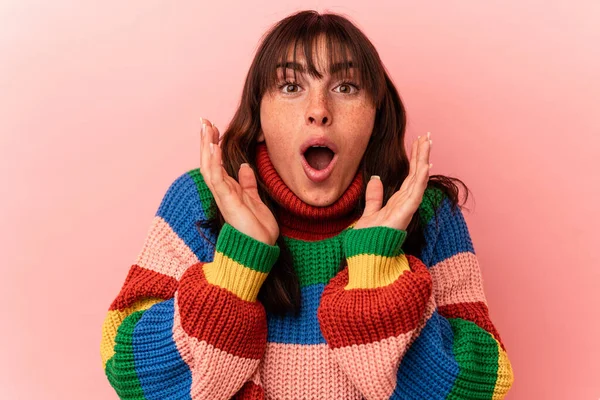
(380, 358)
(164, 251)
(291, 371)
(216, 374)
(458, 280)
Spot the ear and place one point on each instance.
(261, 137)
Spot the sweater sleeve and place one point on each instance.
(403, 329)
(187, 322)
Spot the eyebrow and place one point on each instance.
(301, 67)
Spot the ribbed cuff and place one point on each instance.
(375, 257)
(241, 263)
(246, 250)
(378, 240)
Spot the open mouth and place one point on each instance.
(319, 157)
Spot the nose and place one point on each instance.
(318, 112)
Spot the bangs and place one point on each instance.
(296, 39)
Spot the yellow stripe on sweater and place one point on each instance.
(506, 376)
(113, 320)
(370, 271)
(228, 274)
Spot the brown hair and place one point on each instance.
(385, 155)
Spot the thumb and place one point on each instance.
(247, 181)
(374, 196)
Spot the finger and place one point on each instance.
(414, 166)
(413, 157)
(221, 188)
(248, 181)
(205, 158)
(418, 162)
(216, 138)
(429, 152)
(206, 121)
(423, 157)
(422, 171)
(201, 123)
(373, 196)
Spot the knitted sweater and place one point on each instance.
(187, 322)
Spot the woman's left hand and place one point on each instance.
(400, 208)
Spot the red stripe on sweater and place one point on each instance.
(311, 234)
(219, 317)
(476, 312)
(142, 282)
(361, 316)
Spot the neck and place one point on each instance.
(301, 220)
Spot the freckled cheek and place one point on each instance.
(354, 156)
(281, 150)
(356, 141)
(282, 119)
(358, 131)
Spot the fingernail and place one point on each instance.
(203, 129)
(244, 164)
(375, 177)
(212, 148)
(430, 142)
(430, 165)
(418, 137)
(428, 135)
(201, 120)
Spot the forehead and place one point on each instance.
(332, 60)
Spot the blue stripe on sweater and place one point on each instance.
(181, 208)
(303, 329)
(428, 369)
(161, 371)
(454, 237)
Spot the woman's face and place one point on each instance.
(313, 108)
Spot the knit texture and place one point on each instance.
(187, 323)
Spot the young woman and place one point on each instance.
(309, 257)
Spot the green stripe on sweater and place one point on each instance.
(246, 250)
(206, 196)
(378, 240)
(120, 369)
(316, 262)
(432, 198)
(476, 352)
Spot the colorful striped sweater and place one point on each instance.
(187, 323)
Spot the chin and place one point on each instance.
(320, 197)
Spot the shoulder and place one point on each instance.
(438, 207)
(188, 191)
(433, 198)
(445, 226)
(188, 201)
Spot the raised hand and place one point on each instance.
(401, 207)
(239, 203)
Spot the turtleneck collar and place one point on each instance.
(299, 219)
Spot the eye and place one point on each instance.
(288, 83)
(349, 85)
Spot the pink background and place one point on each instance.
(99, 112)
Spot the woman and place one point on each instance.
(308, 256)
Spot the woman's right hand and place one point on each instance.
(239, 203)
